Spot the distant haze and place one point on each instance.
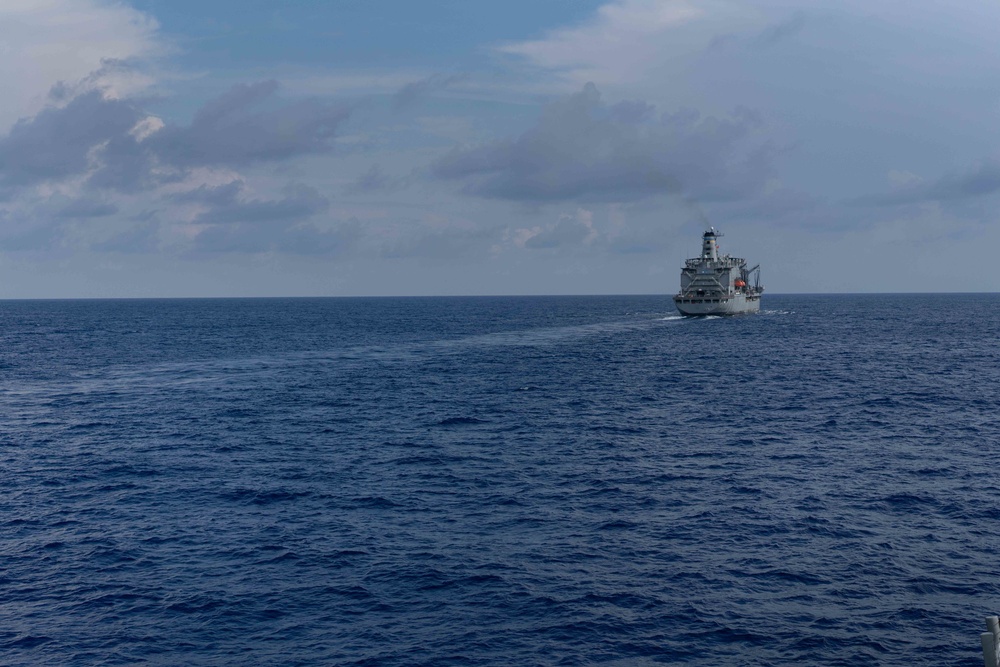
(180, 148)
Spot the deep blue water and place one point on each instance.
(498, 481)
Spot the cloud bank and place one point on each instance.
(583, 149)
(96, 152)
(618, 133)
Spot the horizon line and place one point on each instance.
(456, 296)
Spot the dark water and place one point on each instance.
(498, 481)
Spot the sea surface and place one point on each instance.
(499, 481)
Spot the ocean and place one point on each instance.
(499, 481)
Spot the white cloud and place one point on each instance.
(623, 41)
(146, 127)
(43, 42)
(682, 52)
(620, 34)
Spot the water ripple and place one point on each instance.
(501, 481)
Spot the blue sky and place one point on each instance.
(184, 148)
(363, 34)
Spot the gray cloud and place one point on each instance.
(376, 180)
(582, 150)
(566, 232)
(142, 238)
(298, 239)
(92, 131)
(631, 112)
(443, 244)
(778, 206)
(232, 130)
(55, 143)
(373, 180)
(634, 246)
(310, 240)
(213, 195)
(780, 31)
(87, 207)
(300, 202)
(41, 238)
(235, 225)
(412, 92)
(981, 180)
(128, 165)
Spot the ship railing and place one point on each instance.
(726, 260)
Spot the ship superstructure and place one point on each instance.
(715, 284)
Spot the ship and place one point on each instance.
(715, 284)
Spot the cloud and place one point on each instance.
(898, 178)
(300, 202)
(782, 30)
(583, 150)
(212, 195)
(89, 145)
(617, 43)
(372, 180)
(616, 37)
(57, 143)
(296, 239)
(443, 244)
(632, 111)
(88, 207)
(115, 78)
(46, 41)
(231, 222)
(311, 240)
(780, 206)
(119, 146)
(233, 130)
(44, 237)
(376, 180)
(125, 164)
(140, 238)
(982, 179)
(568, 230)
(412, 92)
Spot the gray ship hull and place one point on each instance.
(737, 304)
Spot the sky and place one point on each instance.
(173, 148)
